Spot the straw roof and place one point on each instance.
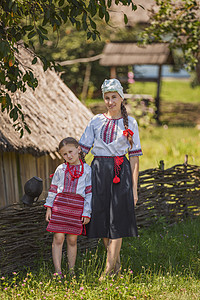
(52, 112)
(122, 54)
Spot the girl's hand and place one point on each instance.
(48, 214)
(135, 196)
(85, 220)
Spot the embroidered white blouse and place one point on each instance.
(62, 182)
(106, 137)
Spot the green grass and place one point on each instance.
(171, 91)
(162, 263)
(169, 144)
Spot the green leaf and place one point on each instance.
(125, 19)
(107, 17)
(89, 34)
(13, 88)
(21, 133)
(43, 30)
(93, 24)
(27, 129)
(28, 27)
(34, 60)
(134, 7)
(78, 25)
(94, 36)
(101, 14)
(41, 40)
(31, 34)
(109, 2)
(61, 2)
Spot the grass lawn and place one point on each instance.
(162, 263)
(171, 90)
(169, 144)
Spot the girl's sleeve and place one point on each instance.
(136, 149)
(88, 195)
(53, 189)
(87, 139)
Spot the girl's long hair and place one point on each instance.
(71, 141)
(125, 120)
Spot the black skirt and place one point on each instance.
(112, 203)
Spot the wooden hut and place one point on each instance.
(117, 54)
(52, 113)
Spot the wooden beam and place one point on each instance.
(113, 73)
(80, 60)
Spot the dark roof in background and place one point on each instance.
(122, 54)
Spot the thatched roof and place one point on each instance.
(52, 112)
(122, 54)
(139, 16)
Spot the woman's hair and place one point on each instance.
(71, 141)
(125, 120)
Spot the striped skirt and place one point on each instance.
(66, 214)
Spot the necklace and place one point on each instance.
(78, 174)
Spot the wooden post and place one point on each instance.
(113, 72)
(86, 81)
(158, 95)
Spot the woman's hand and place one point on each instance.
(48, 214)
(135, 196)
(85, 220)
(134, 161)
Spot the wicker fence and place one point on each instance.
(173, 193)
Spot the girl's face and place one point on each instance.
(70, 153)
(113, 102)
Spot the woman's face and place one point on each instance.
(70, 153)
(113, 102)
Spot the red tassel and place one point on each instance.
(51, 175)
(116, 179)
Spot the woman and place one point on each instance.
(114, 177)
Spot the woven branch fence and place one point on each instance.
(173, 194)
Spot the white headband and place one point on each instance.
(112, 85)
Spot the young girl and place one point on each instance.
(69, 202)
(114, 177)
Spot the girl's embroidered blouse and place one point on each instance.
(62, 182)
(106, 137)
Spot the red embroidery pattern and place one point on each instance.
(109, 131)
(88, 189)
(85, 148)
(70, 185)
(132, 153)
(53, 188)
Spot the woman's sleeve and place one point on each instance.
(87, 139)
(136, 149)
(88, 195)
(53, 189)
